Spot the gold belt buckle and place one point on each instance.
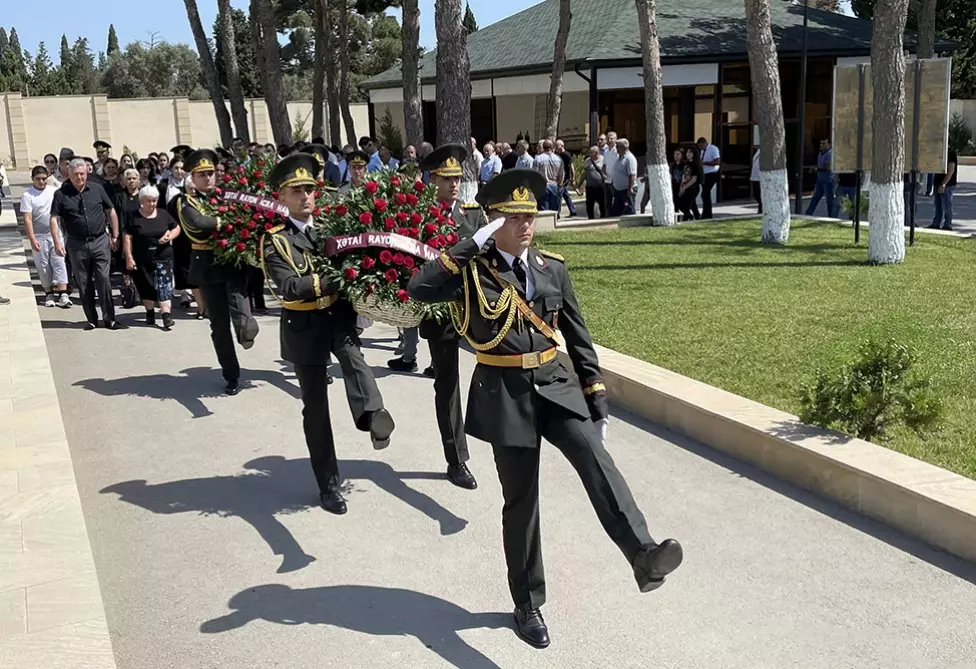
(531, 360)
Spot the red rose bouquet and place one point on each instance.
(379, 236)
(246, 207)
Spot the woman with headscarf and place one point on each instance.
(149, 254)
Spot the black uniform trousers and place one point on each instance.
(518, 472)
(447, 398)
(91, 263)
(226, 304)
(709, 181)
(362, 393)
(317, 423)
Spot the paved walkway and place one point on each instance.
(212, 554)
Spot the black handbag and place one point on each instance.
(130, 296)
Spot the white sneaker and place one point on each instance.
(49, 301)
(64, 301)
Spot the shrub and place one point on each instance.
(390, 135)
(960, 134)
(877, 391)
(299, 127)
(847, 204)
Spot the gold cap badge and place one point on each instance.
(521, 194)
(302, 173)
(451, 162)
(203, 164)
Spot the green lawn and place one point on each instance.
(707, 300)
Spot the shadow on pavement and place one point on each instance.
(189, 387)
(268, 490)
(949, 563)
(369, 609)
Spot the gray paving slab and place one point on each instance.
(211, 553)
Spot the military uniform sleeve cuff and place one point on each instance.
(317, 285)
(598, 387)
(447, 262)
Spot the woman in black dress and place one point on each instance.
(149, 254)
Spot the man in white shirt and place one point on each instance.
(624, 179)
(711, 163)
(35, 205)
(476, 155)
(609, 162)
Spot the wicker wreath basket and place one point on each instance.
(401, 315)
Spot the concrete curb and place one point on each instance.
(922, 500)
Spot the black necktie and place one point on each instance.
(519, 270)
(308, 235)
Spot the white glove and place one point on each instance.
(485, 233)
(601, 427)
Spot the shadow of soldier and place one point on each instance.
(369, 609)
(189, 387)
(267, 490)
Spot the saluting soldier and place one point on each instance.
(444, 165)
(356, 162)
(521, 393)
(224, 287)
(315, 322)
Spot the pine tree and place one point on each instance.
(470, 23)
(44, 80)
(113, 41)
(65, 54)
(17, 55)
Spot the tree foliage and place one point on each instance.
(246, 63)
(113, 41)
(166, 70)
(470, 22)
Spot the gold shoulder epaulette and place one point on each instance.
(276, 229)
(550, 254)
(470, 205)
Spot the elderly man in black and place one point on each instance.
(84, 212)
(224, 287)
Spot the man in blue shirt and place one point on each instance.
(825, 180)
(491, 167)
(371, 149)
(387, 160)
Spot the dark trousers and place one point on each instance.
(608, 198)
(518, 472)
(596, 197)
(709, 181)
(255, 287)
(757, 193)
(687, 205)
(568, 199)
(313, 380)
(91, 263)
(362, 392)
(623, 203)
(447, 399)
(226, 304)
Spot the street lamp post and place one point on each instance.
(803, 115)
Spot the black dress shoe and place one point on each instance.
(380, 428)
(90, 326)
(249, 333)
(232, 388)
(653, 563)
(333, 502)
(401, 365)
(329, 379)
(461, 476)
(531, 628)
(429, 371)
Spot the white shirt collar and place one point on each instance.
(301, 225)
(509, 258)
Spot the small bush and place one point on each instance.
(390, 135)
(847, 204)
(960, 134)
(871, 395)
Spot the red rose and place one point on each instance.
(403, 231)
(247, 207)
(268, 226)
(218, 190)
(240, 247)
(416, 218)
(419, 186)
(350, 273)
(415, 232)
(215, 234)
(221, 209)
(223, 243)
(368, 263)
(403, 295)
(412, 199)
(342, 210)
(260, 162)
(240, 169)
(452, 238)
(402, 216)
(394, 181)
(317, 212)
(252, 225)
(258, 174)
(326, 209)
(386, 257)
(261, 185)
(451, 222)
(245, 234)
(319, 183)
(389, 223)
(447, 205)
(228, 178)
(371, 187)
(380, 204)
(400, 199)
(430, 228)
(228, 228)
(433, 243)
(414, 271)
(213, 200)
(365, 218)
(433, 211)
(369, 289)
(441, 241)
(441, 219)
(315, 195)
(408, 262)
(397, 258)
(242, 181)
(391, 275)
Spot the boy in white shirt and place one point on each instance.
(35, 205)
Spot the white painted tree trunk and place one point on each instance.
(662, 205)
(886, 234)
(776, 206)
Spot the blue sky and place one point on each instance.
(36, 21)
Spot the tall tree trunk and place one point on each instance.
(231, 69)
(555, 102)
(331, 76)
(763, 65)
(269, 63)
(344, 72)
(413, 107)
(886, 235)
(318, 75)
(454, 87)
(209, 72)
(926, 29)
(658, 174)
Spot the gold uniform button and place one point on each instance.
(492, 305)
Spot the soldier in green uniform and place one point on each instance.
(224, 287)
(444, 165)
(315, 323)
(521, 393)
(356, 164)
